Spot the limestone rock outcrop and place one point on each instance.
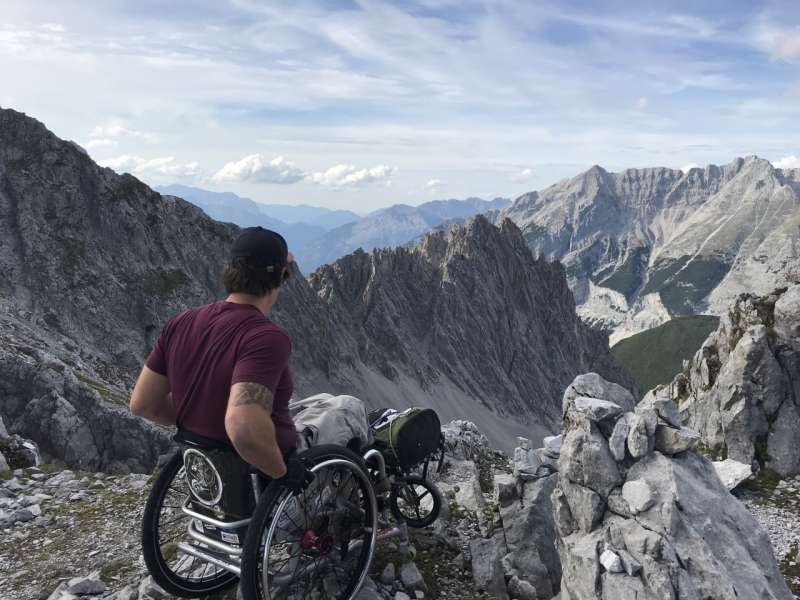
(741, 390)
(653, 524)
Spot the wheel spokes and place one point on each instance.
(319, 559)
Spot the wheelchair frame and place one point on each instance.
(233, 564)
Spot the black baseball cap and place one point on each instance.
(262, 246)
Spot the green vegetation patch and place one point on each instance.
(105, 392)
(115, 569)
(662, 271)
(655, 356)
(73, 252)
(715, 455)
(684, 283)
(764, 485)
(627, 279)
(790, 568)
(164, 283)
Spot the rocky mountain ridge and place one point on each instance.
(389, 227)
(92, 263)
(642, 245)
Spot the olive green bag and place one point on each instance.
(406, 438)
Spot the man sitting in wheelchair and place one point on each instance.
(273, 492)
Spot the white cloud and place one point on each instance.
(780, 43)
(434, 184)
(689, 167)
(641, 103)
(257, 168)
(117, 132)
(351, 176)
(787, 162)
(523, 176)
(165, 166)
(53, 27)
(99, 143)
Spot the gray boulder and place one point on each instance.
(638, 494)
(587, 460)
(672, 440)
(596, 409)
(411, 577)
(529, 532)
(732, 473)
(487, 568)
(639, 441)
(619, 437)
(86, 586)
(592, 385)
(552, 445)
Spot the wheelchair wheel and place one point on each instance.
(164, 524)
(416, 501)
(316, 544)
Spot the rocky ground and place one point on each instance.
(68, 534)
(57, 525)
(71, 534)
(775, 503)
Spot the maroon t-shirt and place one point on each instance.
(204, 351)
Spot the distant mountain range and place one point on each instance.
(319, 235)
(644, 245)
(390, 227)
(230, 207)
(92, 263)
(300, 224)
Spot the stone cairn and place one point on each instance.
(640, 515)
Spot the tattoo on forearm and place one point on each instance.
(253, 393)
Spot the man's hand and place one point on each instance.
(297, 475)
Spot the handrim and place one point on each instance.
(366, 488)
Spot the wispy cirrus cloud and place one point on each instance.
(435, 88)
(780, 41)
(111, 135)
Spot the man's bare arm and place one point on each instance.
(151, 398)
(248, 423)
(253, 393)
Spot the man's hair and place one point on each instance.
(242, 277)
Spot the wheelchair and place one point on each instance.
(211, 521)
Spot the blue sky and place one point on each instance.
(361, 104)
